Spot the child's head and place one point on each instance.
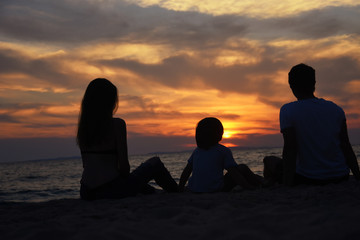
(209, 132)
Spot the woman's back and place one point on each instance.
(100, 162)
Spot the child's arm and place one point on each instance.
(185, 176)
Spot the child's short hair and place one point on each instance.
(209, 132)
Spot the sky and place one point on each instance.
(174, 63)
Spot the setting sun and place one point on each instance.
(227, 134)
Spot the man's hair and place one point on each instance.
(209, 132)
(302, 77)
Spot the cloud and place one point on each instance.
(353, 116)
(172, 67)
(48, 70)
(21, 149)
(78, 22)
(60, 21)
(334, 74)
(8, 118)
(186, 72)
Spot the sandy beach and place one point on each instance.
(303, 212)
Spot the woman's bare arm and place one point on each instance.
(121, 145)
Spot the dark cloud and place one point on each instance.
(81, 21)
(271, 101)
(6, 118)
(313, 24)
(353, 116)
(354, 136)
(145, 104)
(333, 74)
(161, 114)
(41, 69)
(181, 71)
(147, 109)
(20, 106)
(21, 149)
(76, 22)
(59, 21)
(39, 110)
(48, 125)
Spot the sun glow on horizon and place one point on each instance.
(229, 145)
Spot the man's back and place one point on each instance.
(317, 124)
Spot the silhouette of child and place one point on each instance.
(208, 161)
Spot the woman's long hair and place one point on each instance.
(98, 105)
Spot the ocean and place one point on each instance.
(44, 180)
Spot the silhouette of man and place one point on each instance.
(316, 143)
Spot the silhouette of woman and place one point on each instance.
(102, 141)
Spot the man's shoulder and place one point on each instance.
(329, 102)
(310, 102)
(333, 106)
(287, 106)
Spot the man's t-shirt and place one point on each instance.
(208, 166)
(317, 125)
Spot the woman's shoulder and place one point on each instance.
(119, 121)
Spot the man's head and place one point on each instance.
(302, 80)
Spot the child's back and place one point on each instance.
(208, 166)
(208, 161)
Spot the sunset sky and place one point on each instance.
(174, 63)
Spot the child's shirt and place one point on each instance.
(208, 166)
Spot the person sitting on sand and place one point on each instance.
(208, 161)
(103, 145)
(316, 144)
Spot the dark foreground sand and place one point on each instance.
(303, 212)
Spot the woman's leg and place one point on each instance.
(250, 179)
(229, 183)
(116, 189)
(155, 169)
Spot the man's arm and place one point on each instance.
(348, 151)
(185, 176)
(289, 156)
